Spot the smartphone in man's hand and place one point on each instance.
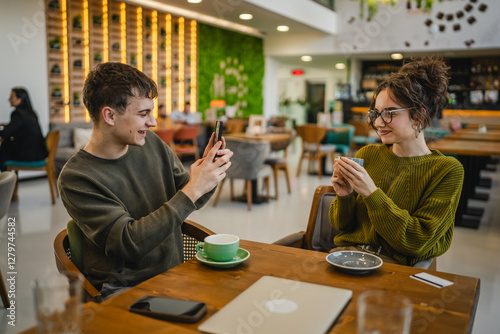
(218, 134)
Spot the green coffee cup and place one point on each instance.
(219, 247)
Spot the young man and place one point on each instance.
(127, 193)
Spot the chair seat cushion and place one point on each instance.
(344, 149)
(13, 163)
(362, 140)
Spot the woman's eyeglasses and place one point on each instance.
(385, 114)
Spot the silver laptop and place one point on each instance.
(277, 305)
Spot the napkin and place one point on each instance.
(431, 280)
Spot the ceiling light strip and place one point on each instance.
(139, 38)
(154, 56)
(86, 46)
(105, 32)
(168, 63)
(123, 33)
(194, 65)
(64, 11)
(181, 63)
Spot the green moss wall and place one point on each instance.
(231, 68)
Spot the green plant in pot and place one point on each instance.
(76, 99)
(97, 19)
(57, 92)
(98, 57)
(77, 21)
(133, 59)
(55, 43)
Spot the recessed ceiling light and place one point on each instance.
(194, 1)
(397, 56)
(340, 66)
(282, 28)
(246, 16)
(306, 58)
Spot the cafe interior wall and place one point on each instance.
(449, 26)
(23, 56)
(231, 68)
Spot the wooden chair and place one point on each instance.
(46, 165)
(362, 135)
(320, 233)
(312, 149)
(187, 141)
(7, 184)
(236, 125)
(280, 163)
(70, 259)
(167, 135)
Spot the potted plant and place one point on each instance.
(163, 46)
(97, 57)
(163, 82)
(77, 63)
(115, 18)
(76, 99)
(97, 19)
(55, 69)
(163, 32)
(133, 59)
(77, 21)
(116, 46)
(148, 21)
(57, 92)
(148, 57)
(55, 43)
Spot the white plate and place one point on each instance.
(354, 262)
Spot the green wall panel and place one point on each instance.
(231, 68)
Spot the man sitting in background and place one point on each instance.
(129, 195)
(186, 116)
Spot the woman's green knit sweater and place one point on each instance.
(411, 214)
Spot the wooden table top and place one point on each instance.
(261, 137)
(466, 147)
(474, 134)
(447, 310)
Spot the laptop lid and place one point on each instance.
(277, 305)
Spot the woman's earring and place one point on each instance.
(418, 130)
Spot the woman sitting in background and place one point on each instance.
(402, 203)
(22, 137)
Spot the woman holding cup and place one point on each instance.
(401, 204)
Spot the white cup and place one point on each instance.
(58, 303)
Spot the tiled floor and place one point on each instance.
(473, 252)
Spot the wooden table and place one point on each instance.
(447, 310)
(474, 135)
(270, 137)
(474, 156)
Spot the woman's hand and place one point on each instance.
(340, 184)
(354, 175)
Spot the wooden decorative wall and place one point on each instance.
(83, 33)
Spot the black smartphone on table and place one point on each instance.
(219, 125)
(169, 308)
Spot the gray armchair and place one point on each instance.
(247, 163)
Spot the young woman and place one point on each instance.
(402, 203)
(22, 137)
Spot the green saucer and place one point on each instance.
(241, 256)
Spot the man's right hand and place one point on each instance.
(206, 173)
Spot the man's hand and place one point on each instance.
(206, 173)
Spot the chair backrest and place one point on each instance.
(311, 133)
(52, 141)
(280, 145)
(341, 138)
(7, 184)
(187, 132)
(361, 128)
(236, 125)
(320, 233)
(167, 135)
(248, 157)
(192, 233)
(62, 253)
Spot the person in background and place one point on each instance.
(22, 138)
(126, 190)
(187, 116)
(402, 203)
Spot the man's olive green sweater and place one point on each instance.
(130, 210)
(411, 214)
